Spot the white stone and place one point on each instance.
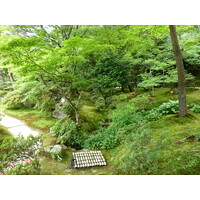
(53, 149)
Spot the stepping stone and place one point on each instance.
(87, 159)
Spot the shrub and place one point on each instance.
(27, 167)
(138, 155)
(124, 119)
(30, 94)
(3, 93)
(102, 140)
(66, 131)
(100, 103)
(13, 99)
(196, 108)
(18, 155)
(62, 127)
(151, 115)
(113, 105)
(171, 107)
(76, 141)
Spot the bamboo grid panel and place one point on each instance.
(87, 159)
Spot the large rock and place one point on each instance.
(57, 113)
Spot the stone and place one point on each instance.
(64, 101)
(57, 113)
(53, 149)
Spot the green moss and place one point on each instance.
(53, 167)
(4, 133)
(177, 129)
(39, 120)
(193, 96)
(90, 112)
(163, 95)
(90, 119)
(42, 121)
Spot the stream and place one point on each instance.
(16, 127)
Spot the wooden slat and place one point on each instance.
(87, 159)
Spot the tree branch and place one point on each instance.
(50, 37)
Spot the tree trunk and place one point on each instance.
(152, 89)
(12, 80)
(130, 87)
(122, 88)
(75, 106)
(181, 73)
(2, 77)
(77, 116)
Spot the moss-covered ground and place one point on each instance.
(4, 133)
(54, 167)
(42, 122)
(180, 131)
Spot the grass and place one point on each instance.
(193, 96)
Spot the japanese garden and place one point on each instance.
(99, 100)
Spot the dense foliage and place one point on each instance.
(103, 80)
(123, 119)
(196, 108)
(19, 156)
(67, 133)
(46, 63)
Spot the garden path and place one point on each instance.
(16, 127)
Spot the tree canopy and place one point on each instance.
(65, 60)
